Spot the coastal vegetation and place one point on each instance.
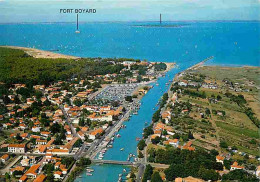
(19, 67)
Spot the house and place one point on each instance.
(35, 129)
(22, 126)
(28, 160)
(40, 178)
(57, 174)
(174, 142)
(235, 166)
(188, 146)
(81, 135)
(58, 151)
(17, 148)
(45, 133)
(166, 115)
(63, 169)
(94, 134)
(17, 168)
(41, 142)
(188, 179)
(57, 165)
(24, 135)
(23, 178)
(220, 159)
(33, 171)
(69, 137)
(4, 158)
(183, 83)
(69, 145)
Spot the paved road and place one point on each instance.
(7, 168)
(96, 147)
(140, 173)
(67, 118)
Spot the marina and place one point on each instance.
(174, 44)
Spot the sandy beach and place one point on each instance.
(42, 54)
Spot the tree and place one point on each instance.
(219, 97)
(141, 145)
(83, 162)
(129, 98)
(148, 131)
(7, 176)
(227, 164)
(156, 177)
(174, 171)
(140, 155)
(147, 173)
(156, 140)
(132, 175)
(55, 128)
(78, 143)
(214, 152)
(18, 137)
(156, 116)
(223, 144)
(81, 122)
(207, 111)
(239, 175)
(190, 135)
(50, 177)
(77, 102)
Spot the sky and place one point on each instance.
(12, 11)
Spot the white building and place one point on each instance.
(16, 148)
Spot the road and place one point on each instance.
(67, 118)
(140, 173)
(7, 168)
(95, 146)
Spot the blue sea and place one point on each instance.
(231, 44)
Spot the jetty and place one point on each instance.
(200, 63)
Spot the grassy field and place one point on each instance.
(235, 127)
(238, 74)
(238, 130)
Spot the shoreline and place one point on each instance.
(38, 53)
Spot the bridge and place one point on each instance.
(129, 163)
(126, 163)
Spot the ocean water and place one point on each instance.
(231, 43)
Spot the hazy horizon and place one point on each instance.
(26, 11)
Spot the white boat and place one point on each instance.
(89, 174)
(77, 31)
(90, 170)
(122, 149)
